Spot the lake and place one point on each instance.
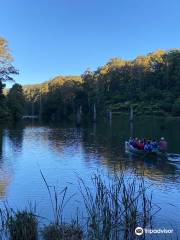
(63, 152)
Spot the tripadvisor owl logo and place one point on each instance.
(139, 231)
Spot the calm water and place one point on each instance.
(63, 152)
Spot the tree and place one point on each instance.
(6, 69)
(4, 51)
(4, 112)
(16, 101)
(89, 87)
(150, 81)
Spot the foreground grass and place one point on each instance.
(113, 210)
(18, 225)
(62, 232)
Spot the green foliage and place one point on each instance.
(56, 98)
(6, 70)
(4, 111)
(16, 101)
(147, 81)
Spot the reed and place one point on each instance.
(19, 225)
(62, 232)
(58, 229)
(115, 208)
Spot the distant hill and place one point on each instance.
(58, 81)
(151, 83)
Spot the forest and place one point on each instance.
(150, 83)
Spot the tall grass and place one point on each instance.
(58, 229)
(64, 231)
(18, 225)
(114, 207)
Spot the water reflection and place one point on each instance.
(1, 144)
(60, 151)
(15, 136)
(102, 144)
(4, 176)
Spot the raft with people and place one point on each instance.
(146, 148)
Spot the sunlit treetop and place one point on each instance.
(6, 68)
(4, 50)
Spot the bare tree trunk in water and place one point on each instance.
(94, 113)
(79, 116)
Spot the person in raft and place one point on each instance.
(148, 146)
(155, 145)
(163, 145)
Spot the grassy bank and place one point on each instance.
(113, 209)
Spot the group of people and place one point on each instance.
(149, 145)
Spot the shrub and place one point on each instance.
(23, 226)
(62, 232)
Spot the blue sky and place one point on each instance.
(64, 37)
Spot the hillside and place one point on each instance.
(151, 83)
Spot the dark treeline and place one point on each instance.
(151, 83)
(54, 99)
(13, 102)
